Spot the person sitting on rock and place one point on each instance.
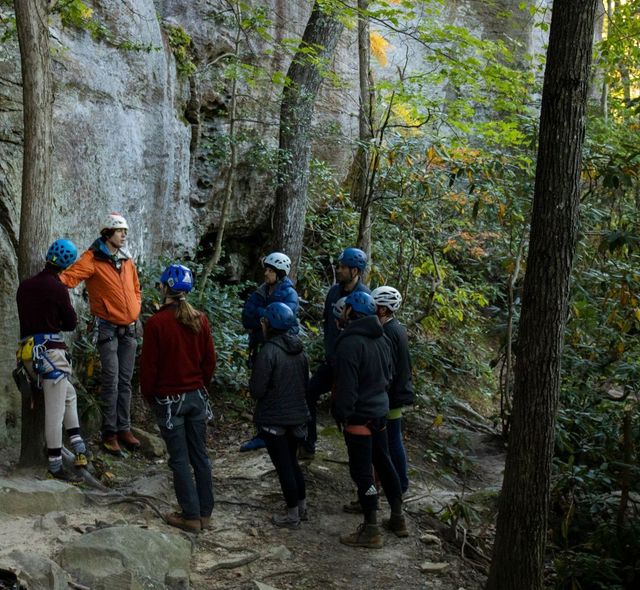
(177, 363)
(277, 287)
(278, 383)
(44, 310)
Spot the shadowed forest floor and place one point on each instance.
(243, 550)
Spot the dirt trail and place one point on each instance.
(243, 549)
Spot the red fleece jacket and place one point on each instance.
(174, 359)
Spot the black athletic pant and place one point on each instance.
(366, 452)
(282, 449)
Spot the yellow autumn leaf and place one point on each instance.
(438, 420)
(379, 46)
(404, 113)
(502, 209)
(637, 314)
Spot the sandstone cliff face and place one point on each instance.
(132, 136)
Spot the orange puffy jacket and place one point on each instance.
(114, 295)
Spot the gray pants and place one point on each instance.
(117, 346)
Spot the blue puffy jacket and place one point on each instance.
(255, 305)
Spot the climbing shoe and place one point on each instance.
(397, 524)
(128, 440)
(80, 460)
(253, 444)
(63, 475)
(191, 525)
(366, 535)
(352, 507)
(205, 522)
(285, 520)
(111, 445)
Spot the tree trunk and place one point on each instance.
(360, 188)
(37, 203)
(305, 76)
(518, 555)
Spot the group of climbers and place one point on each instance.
(44, 311)
(366, 366)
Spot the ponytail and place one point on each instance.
(185, 314)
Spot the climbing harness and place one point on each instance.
(34, 349)
(168, 402)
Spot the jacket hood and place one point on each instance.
(290, 343)
(368, 326)
(99, 248)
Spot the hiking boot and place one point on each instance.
(366, 535)
(286, 521)
(111, 445)
(306, 454)
(397, 524)
(191, 525)
(352, 507)
(128, 440)
(304, 514)
(253, 444)
(205, 523)
(63, 475)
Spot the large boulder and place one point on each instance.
(128, 558)
(35, 572)
(21, 496)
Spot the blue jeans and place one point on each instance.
(397, 451)
(183, 424)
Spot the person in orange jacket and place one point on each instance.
(115, 298)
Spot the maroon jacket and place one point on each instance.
(174, 359)
(44, 306)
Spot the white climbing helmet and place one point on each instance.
(114, 221)
(387, 297)
(338, 308)
(278, 260)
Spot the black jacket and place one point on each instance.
(401, 388)
(362, 372)
(279, 382)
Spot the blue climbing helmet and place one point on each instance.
(362, 303)
(62, 253)
(178, 278)
(353, 258)
(280, 316)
